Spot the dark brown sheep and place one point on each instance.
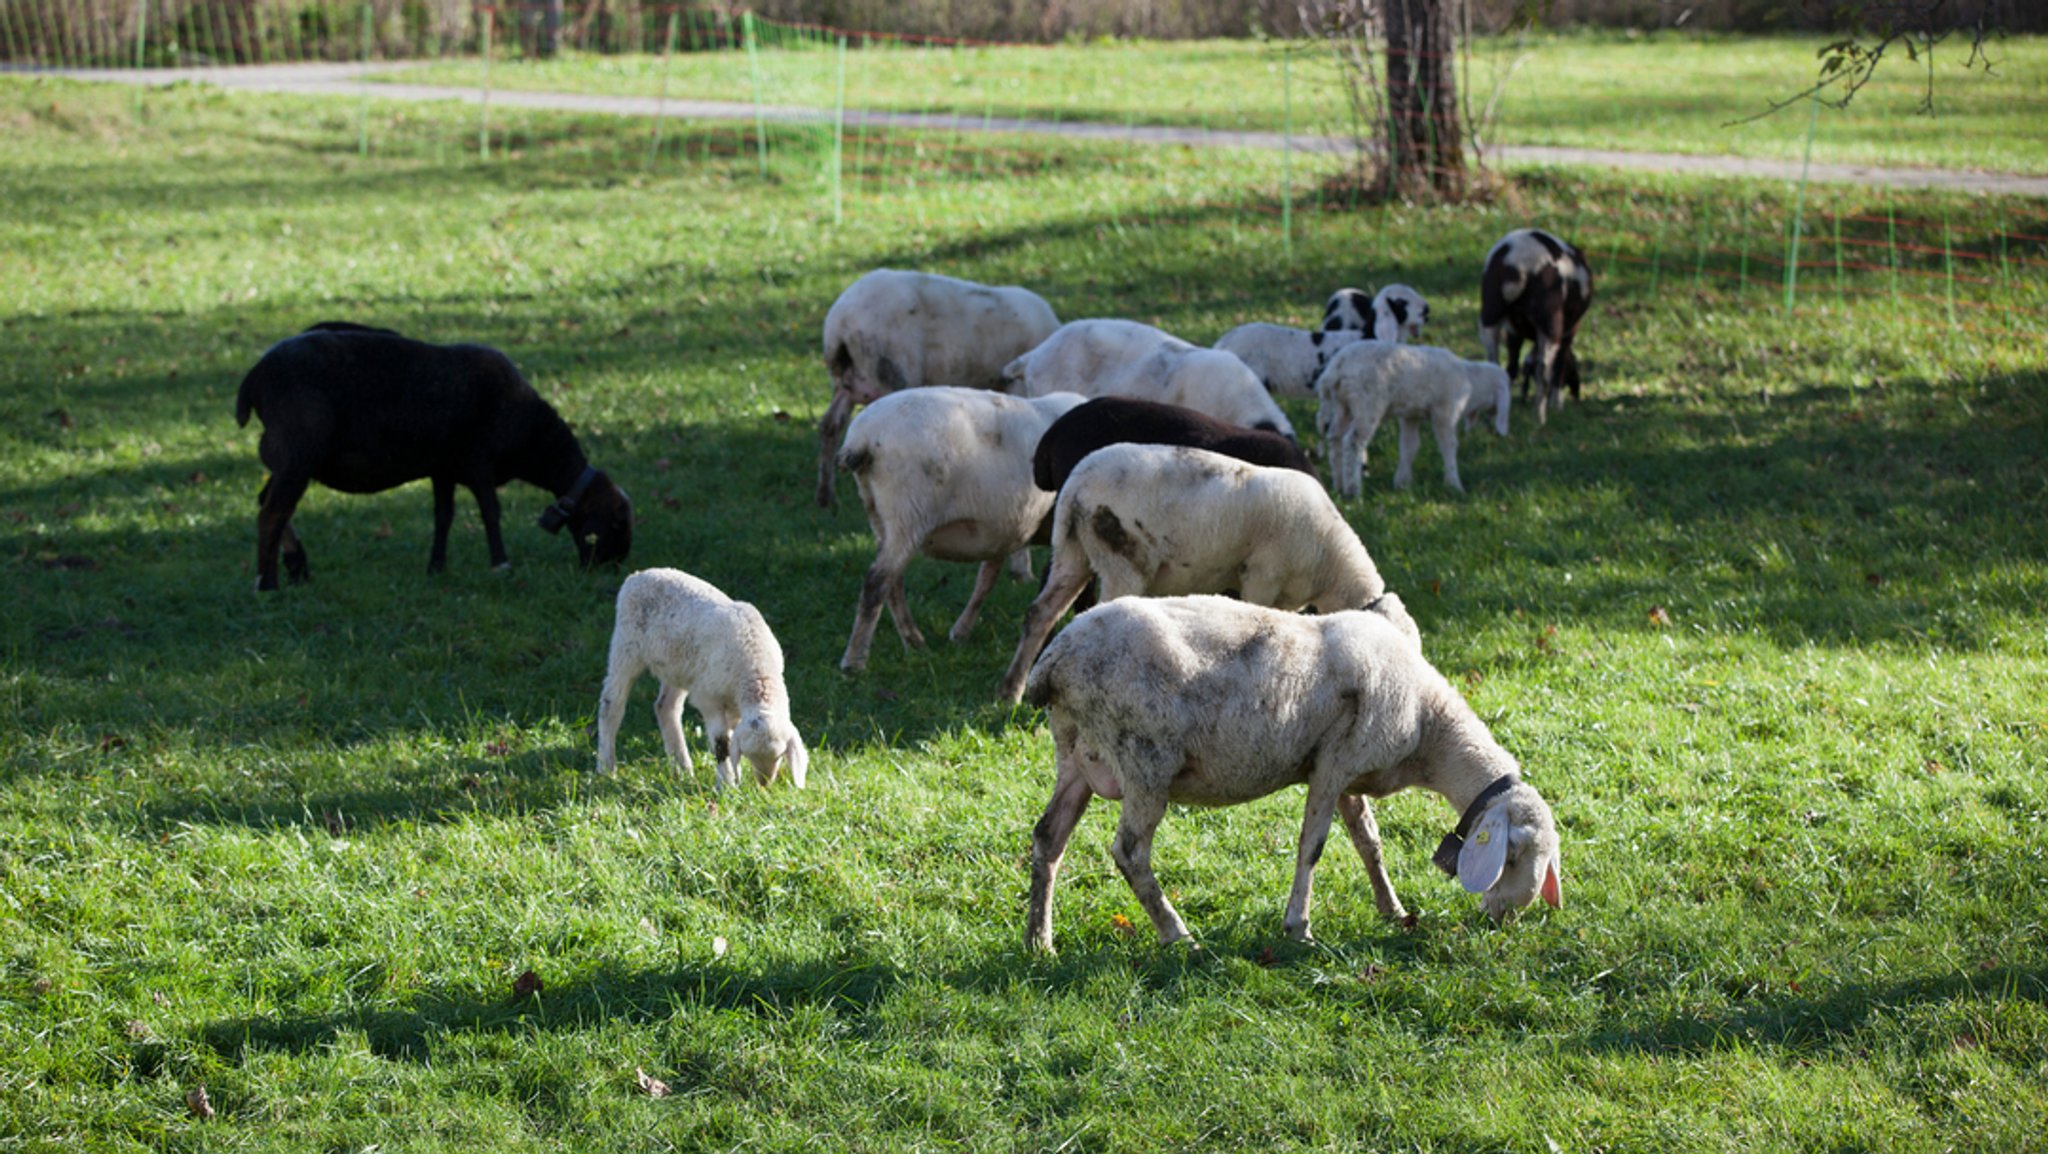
(1107, 421)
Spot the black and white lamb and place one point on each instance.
(1537, 288)
(1212, 702)
(893, 329)
(946, 473)
(362, 410)
(1371, 381)
(1161, 520)
(1395, 313)
(717, 652)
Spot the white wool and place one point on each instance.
(717, 652)
(1370, 381)
(1101, 358)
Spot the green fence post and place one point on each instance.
(141, 42)
(1948, 257)
(661, 103)
(363, 114)
(483, 128)
(1287, 156)
(752, 39)
(839, 141)
(1799, 208)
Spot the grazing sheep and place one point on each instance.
(1287, 361)
(362, 410)
(944, 472)
(1160, 520)
(1114, 358)
(1395, 313)
(1535, 287)
(895, 330)
(1370, 381)
(1108, 421)
(1212, 702)
(697, 640)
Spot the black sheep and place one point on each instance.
(1535, 287)
(1108, 421)
(362, 410)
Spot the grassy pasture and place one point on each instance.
(1762, 618)
(1666, 92)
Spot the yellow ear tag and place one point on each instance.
(1483, 836)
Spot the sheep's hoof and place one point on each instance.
(266, 585)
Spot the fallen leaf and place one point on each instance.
(1660, 618)
(1933, 766)
(197, 1103)
(1372, 972)
(1122, 925)
(1873, 580)
(649, 1085)
(383, 530)
(112, 742)
(526, 985)
(781, 418)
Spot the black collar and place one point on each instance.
(1446, 856)
(557, 515)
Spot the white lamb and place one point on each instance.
(1160, 520)
(1212, 702)
(893, 330)
(1104, 358)
(1366, 383)
(944, 472)
(1286, 360)
(1395, 313)
(699, 641)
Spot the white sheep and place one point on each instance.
(1160, 520)
(1369, 381)
(1208, 701)
(1395, 313)
(708, 647)
(1535, 287)
(1287, 360)
(893, 330)
(946, 473)
(1118, 358)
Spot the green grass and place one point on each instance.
(299, 848)
(1665, 92)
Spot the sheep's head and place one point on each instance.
(599, 517)
(1348, 308)
(1509, 855)
(1398, 314)
(767, 745)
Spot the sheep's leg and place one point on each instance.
(444, 519)
(494, 535)
(1132, 852)
(831, 430)
(275, 506)
(1446, 427)
(295, 568)
(1064, 580)
(1315, 834)
(1018, 564)
(1411, 439)
(611, 711)
(984, 580)
(884, 583)
(718, 726)
(1514, 365)
(668, 717)
(1070, 798)
(1364, 829)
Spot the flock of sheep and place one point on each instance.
(1161, 473)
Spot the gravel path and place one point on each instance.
(346, 80)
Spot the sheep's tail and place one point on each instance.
(854, 459)
(245, 397)
(1041, 688)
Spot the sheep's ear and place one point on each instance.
(1485, 853)
(800, 762)
(1552, 892)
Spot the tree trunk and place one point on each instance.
(1425, 133)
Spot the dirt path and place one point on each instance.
(346, 80)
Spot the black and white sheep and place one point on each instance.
(1395, 313)
(1118, 358)
(945, 473)
(362, 410)
(716, 651)
(1371, 381)
(1161, 520)
(1107, 421)
(1212, 702)
(893, 329)
(1535, 287)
